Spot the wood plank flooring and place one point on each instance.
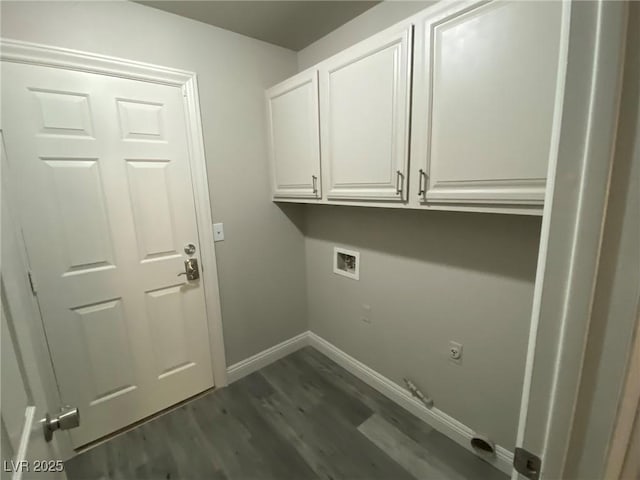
(303, 417)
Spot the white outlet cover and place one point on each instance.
(365, 314)
(218, 232)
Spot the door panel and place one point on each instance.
(169, 337)
(140, 120)
(84, 224)
(64, 113)
(107, 209)
(150, 202)
(294, 137)
(364, 115)
(104, 324)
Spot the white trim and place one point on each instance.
(572, 228)
(436, 418)
(25, 437)
(546, 225)
(266, 357)
(204, 218)
(43, 55)
(18, 51)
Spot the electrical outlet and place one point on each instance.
(455, 352)
(365, 313)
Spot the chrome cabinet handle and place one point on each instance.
(314, 180)
(422, 190)
(399, 182)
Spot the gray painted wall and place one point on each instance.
(261, 262)
(430, 277)
(372, 21)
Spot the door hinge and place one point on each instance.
(32, 282)
(527, 464)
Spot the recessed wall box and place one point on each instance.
(346, 262)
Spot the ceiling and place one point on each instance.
(290, 24)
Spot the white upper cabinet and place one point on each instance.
(475, 87)
(294, 137)
(484, 98)
(364, 118)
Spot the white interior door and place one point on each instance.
(294, 137)
(364, 118)
(107, 208)
(25, 453)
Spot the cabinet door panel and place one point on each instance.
(364, 117)
(294, 141)
(485, 98)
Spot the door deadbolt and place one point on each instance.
(189, 249)
(69, 417)
(191, 269)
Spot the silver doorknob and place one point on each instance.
(69, 417)
(189, 249)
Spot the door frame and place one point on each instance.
(62, 58)
(572, 231)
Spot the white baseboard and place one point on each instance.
(437, 419)
(266, 357)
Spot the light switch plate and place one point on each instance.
(218, 232)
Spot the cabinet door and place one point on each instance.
(294, 137)
(364, 99)
(484, 97)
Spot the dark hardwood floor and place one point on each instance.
(303, 417)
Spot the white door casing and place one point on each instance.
(107, 209)
(484, 95)
(294, 137)
(572, 227)
(364, 118)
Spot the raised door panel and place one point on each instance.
(81, 213)
(364, 117)
(484, 102)
(171, 349)
(151, 208)
(107, 351)
(294, 137)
